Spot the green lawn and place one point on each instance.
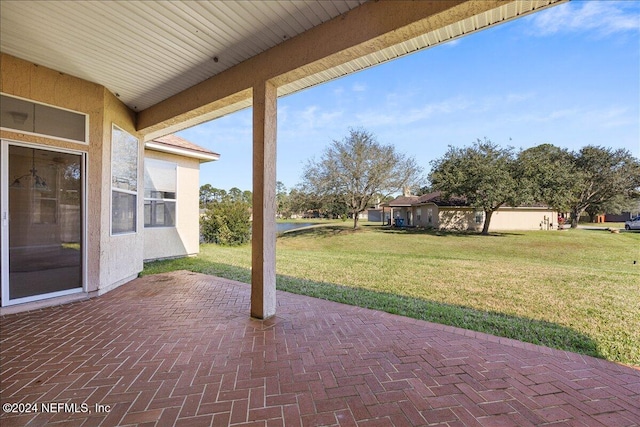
(618, 225)
(577, 290)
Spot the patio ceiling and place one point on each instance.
(147, 52)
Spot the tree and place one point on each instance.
(484, 174)
(247, 197)
(301, 201)
(604, 177)
(282, 201)
(425, 189)
(227, 222)
(356, 169)
(548, 176)
(206, 195)
(334, 207)
(235, 194)
(227, 219)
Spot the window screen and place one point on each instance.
(124, 181)
(160, 193)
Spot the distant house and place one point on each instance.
(433, 211)
(171, 196)
(401, 212)
(378, 215)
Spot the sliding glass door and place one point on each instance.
(42, 223)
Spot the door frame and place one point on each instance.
(4, 221)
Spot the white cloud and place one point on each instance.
(314, 117)
(577, 118)
(611, 117)
(359, 87)
(309, 119)
(397, 111)
(394, 116)
(490, 103)
(537, 117)
(600, 17)
(308, 115)
(519, 97)
(338, 91)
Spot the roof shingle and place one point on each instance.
(176, 141)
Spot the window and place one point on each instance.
(34, 118)
(159, 193)
(124, 181)
(419, 213)
(479, 217)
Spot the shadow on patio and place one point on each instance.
(180, 349)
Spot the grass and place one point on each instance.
(619, 225)
(577, 290)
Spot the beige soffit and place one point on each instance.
(299, 79)
(507, 11)
(147, 51)
(499, 15)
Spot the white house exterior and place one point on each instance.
(171, 199)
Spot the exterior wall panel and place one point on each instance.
(457, 219)
(523, 219)
(184, 238)
(120, 255)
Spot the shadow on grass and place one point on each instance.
(499, 324)
(443, 233)
(337, 230)
(318, 231)
(612, 230)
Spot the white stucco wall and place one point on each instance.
(184, 238)
(457, 219)
(505, 218)
(120, 254)
(523, 219)
(109, 260)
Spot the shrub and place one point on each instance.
(227, 223)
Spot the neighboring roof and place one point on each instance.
(173, 144)
(453, 201)
(401, 201)
(437, 199)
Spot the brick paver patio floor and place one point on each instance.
(181, 349)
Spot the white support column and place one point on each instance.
(263, 244)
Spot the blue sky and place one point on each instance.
(569, 76)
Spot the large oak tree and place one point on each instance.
(549, 175)
(604, 177)
(594, 179)
(485, 174)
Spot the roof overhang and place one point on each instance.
(181, 63)
(164, 148)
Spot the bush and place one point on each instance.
(227, 223)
